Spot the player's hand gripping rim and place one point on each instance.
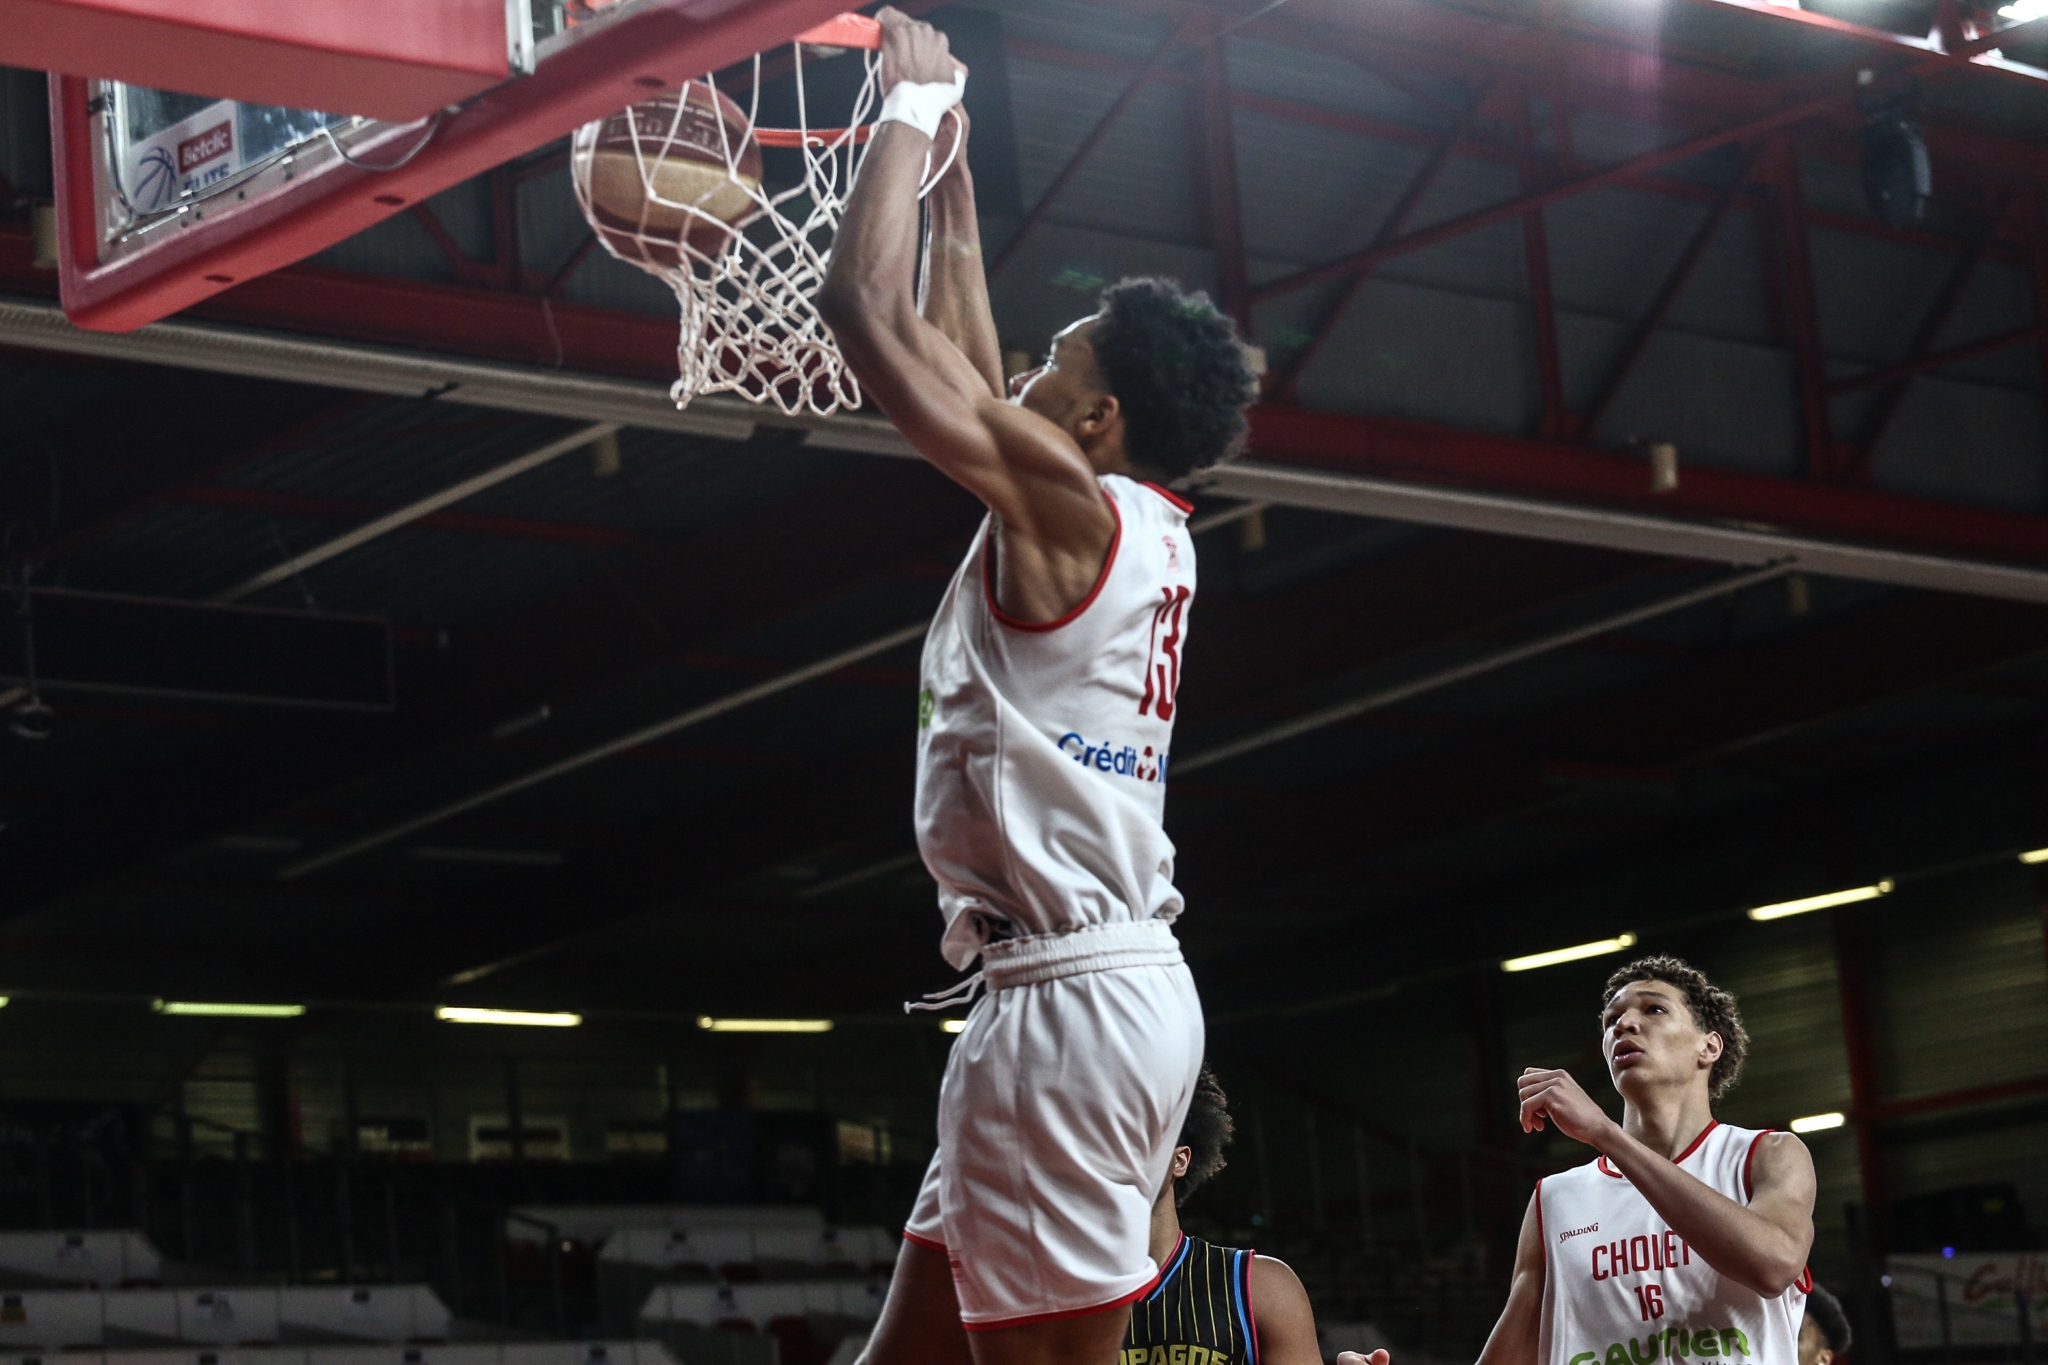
(913, 50)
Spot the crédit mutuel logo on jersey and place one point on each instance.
(1123, 759)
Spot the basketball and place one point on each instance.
(656, 175)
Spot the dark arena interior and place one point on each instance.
(1642, 536)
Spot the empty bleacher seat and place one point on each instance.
(596, 1223)
(123, 1319)
(104, 1258)
(394, 1312)
(141, 1317)
(51, 1318)
(227, 1316)
(758, 1305)
(486, 1353)
(719, 1249)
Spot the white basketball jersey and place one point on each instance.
(1621, 1288)
(1042, 750)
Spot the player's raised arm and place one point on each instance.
(956, 285)
(1026, 468)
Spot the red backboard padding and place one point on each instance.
(389, 59)
(595, 69)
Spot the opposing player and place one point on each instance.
(1824, 1338)
(1045, 729)
(1215, 1305)
(1686, 1239)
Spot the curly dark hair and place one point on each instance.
(1177, 371)
(1206, 1130)
(1713, 1009)
(1826, 1311)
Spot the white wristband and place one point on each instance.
(922, 104)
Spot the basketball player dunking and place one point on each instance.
(1045, 724)
(1686, 1240)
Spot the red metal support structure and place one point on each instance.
(2037, 271)
(1542, 306)
(505, 252)
(1174, 43)
(1667, 297)
(1502, 151)
(466, 270)
(1859, 1038)
(1937, 360)
(1886, 405)
(1218, 133)
(1840, 87)
(1802, 309)
(1286, 382)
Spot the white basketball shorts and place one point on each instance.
(1058, 1115)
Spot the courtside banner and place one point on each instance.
(1979, 1296)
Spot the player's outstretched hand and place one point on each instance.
(1354, 1358)
(1555, 1096)
(913, 50)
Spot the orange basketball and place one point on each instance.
(656, 174)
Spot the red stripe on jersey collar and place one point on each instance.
(1182, 503)
(1712, 1124)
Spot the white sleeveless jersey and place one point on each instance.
(1621, 1288)
(1043, 750)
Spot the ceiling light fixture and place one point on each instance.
(952, 1025)
(464, 1014)
(710, 1025)
(226, 1009)
(1819, 1123)
(2035, 855)
(1557, 955)
(1826, 902)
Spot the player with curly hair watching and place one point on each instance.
(1045, 728)
(1685, 1240)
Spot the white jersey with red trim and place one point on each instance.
(1043, 749)
(1621, 1288)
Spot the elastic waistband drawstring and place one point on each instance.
(1047, 957)
(959, 993)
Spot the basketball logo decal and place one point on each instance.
(157, 185)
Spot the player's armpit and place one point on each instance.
(1513, 1339)
(1286, 1323)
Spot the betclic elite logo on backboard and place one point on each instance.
(183, 158)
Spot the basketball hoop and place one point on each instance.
(674, 185)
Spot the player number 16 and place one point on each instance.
(1650, 1298)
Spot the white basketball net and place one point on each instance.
(749, 326)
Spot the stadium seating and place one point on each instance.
(62, 1318)
(480, 1353)
(107, 1259)
(757, 1305)
(758, 1252)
